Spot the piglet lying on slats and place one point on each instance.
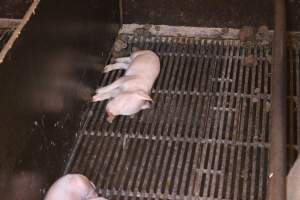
(130, 93)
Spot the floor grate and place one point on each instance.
(207, 135)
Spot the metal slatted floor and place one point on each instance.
(207, 134)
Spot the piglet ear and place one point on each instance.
(144, 96)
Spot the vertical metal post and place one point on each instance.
(277, 170)
(121, 12)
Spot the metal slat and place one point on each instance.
(256, 116)
(4, 36)
(298, 94)
(246, 186)
(134, 187)
(214, 126)
(200, 167)
(239, 137)
(263, 128)
(225, 75)
(194, 183)
(135, 167)
(225, 123)
(143, 162)
(293, 105)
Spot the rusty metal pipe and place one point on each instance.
(278, 161)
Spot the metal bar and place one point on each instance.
(263, 128)
(298, 94)
(228, 122)
(214, 126)
(238, 123)
(207, 85)
(121, 12)
(252, 120)
(120, 135)
(73, 155)
(277, 168)
(133, 175)
(198, 116)
(256, 119)
(4, 37)
(164, 66)
(292, 124)
(224, 86)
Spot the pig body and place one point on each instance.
(72, 187)
(130, 93)
(145, 66)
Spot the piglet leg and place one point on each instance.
(118, 84)
(101, 97)
(110, 119)
(115, 66)
(146, 106)
(108, 95)
(124, 60)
